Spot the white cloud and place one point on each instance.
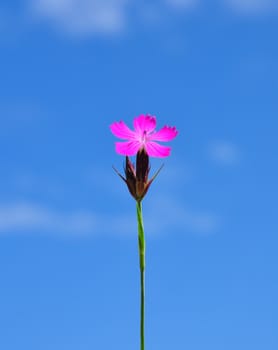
(84, 16)
(109, 17)
(224, 152)
(163, 215)
(29, 218)
(32, 218)
(87, 17)
(253, 6)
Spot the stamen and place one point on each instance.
(144, 138)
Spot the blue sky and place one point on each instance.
(68, 240)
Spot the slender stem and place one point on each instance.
(141, 242)
(142, 323)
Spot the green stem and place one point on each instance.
(141, 242)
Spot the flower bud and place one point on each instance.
(137, 179)
(142, 173)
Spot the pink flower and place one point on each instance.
(143, 137)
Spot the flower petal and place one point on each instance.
(129, 148)
(155, 150)
(122, 131)
(167, 133)
(144, 123)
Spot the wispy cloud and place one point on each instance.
(224, 153)
(163, 215)
(86, 18)
(25, 217)
(83, 16)
(29, 218)
(90, 17)
(253, 7)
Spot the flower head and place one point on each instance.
(143, 137)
